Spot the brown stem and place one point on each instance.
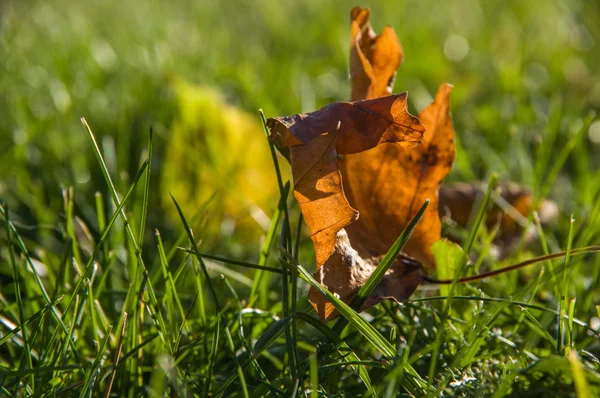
(583, 250)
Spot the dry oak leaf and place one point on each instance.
(389, 183)
(315, 140)
(373, 59)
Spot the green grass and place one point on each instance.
(110, 288)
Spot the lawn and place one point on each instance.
(143, 227)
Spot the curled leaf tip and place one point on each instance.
(373, 59)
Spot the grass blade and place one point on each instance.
(368, 331)
(17, 286)
(493, 181)
(153, 308)
(212, 356)
(29, 321)
(146, 192)
(377, 275)
(93, 372)
(581, 384)
(240, 371)
(198, 256)
(563, 302)
(260, 286)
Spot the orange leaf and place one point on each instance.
(389, 183)
(373, 59)
(386, 183)
(315, 140)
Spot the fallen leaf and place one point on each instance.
(389, 183)
(315, 140)
(513, 203)
(386, 183)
